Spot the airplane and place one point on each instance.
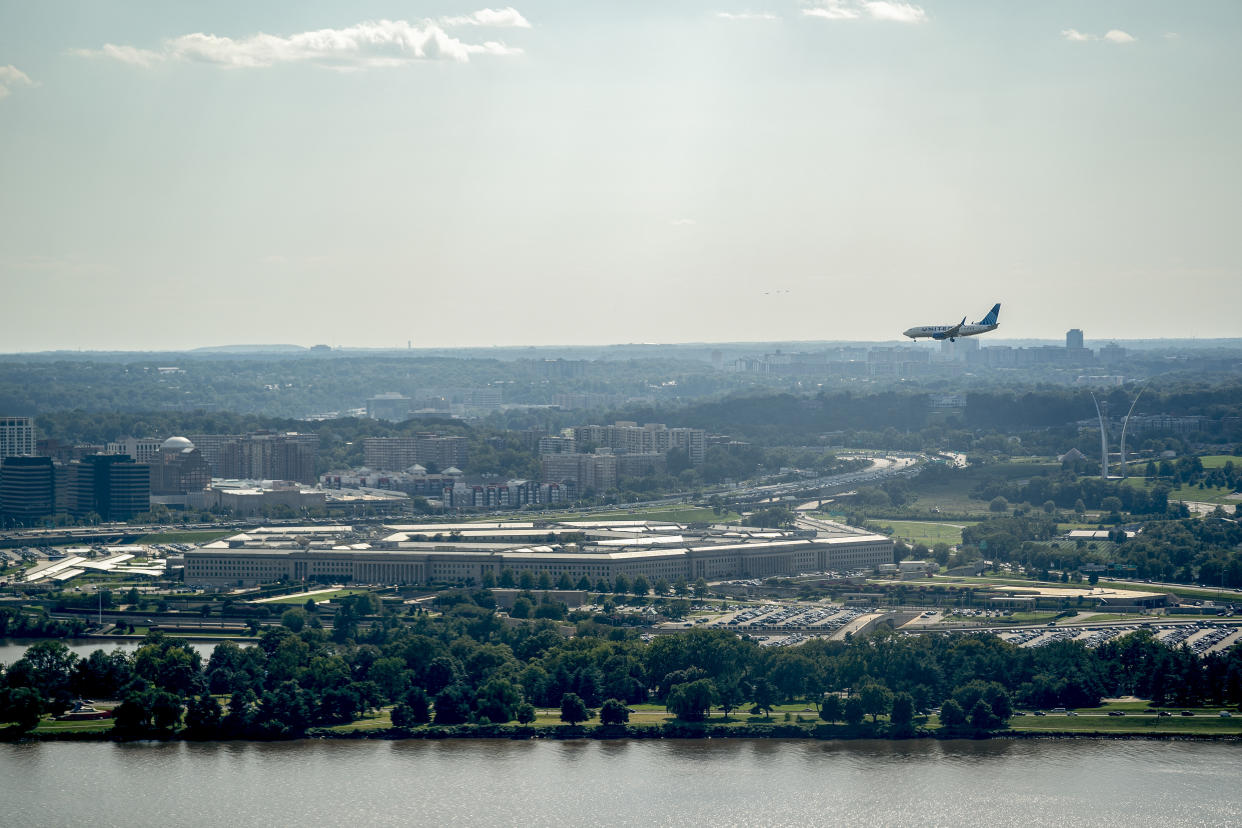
(952, 332)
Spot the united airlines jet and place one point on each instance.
(952, 332)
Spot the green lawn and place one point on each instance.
(1208, 494)
(89, 726)
(299, 598)
(928, 533)
(1100, 722)
(1218, 461)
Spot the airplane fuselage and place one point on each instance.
(942, 331)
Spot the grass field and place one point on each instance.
(90, 726)
(952, 493)
(1218, 461)
(1095, 721)
(299, 598)
(926, 532)
(1208, 494)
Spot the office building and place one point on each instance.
(111, 486)
(389, 406)
(27, 489)
(1073, 339)
(178, 468)
(465, 553)
(17, 437)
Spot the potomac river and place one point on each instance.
(579, 783)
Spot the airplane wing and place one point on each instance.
(951, 333)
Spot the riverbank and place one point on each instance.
(671, 731)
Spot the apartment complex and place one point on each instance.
(399, 453)
(262, 455)
(653, 438)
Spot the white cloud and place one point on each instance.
(368, 44)
(683, 222)
(1112, 36)
(833, 10)
(11, 76)
(882, 10)
(895, 12)
(508, 17)
(745, 16)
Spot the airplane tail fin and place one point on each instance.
(992, 317)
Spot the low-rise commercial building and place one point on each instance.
(467, 553)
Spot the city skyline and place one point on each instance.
(458, 175)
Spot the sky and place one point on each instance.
(183, 174)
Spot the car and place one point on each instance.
(1071, 713)
(1164, 713)
(1040, 713)
(1186, 713)
(1116, 713)
(1225, 714)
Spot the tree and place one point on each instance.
(901, 715)
(831, 709)
(418, 705)
(854, 711)
(700, 588)
(453, 704)
(876, 699)
(998, 504)
(203, 717)
(497, 700)
(981, 717)
(614, 712)
(522, 607)
(729, 695)
(525, 713)
(640, 586)
(22, 706)
(764, 695)
(526, 580)
(691, 701)
(573, 709)
(952, 715)
(294, 619)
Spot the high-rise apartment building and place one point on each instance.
(398, 453)
(1073, 339)
(17, 437)
(142, 449)
(653, 438)
(264, 455)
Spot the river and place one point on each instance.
(716, 783)
(11, 649)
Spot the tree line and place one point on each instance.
(467, 666)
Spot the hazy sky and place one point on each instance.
(176, 174)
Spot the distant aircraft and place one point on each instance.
(952, 332)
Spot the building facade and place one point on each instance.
(17, 437)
